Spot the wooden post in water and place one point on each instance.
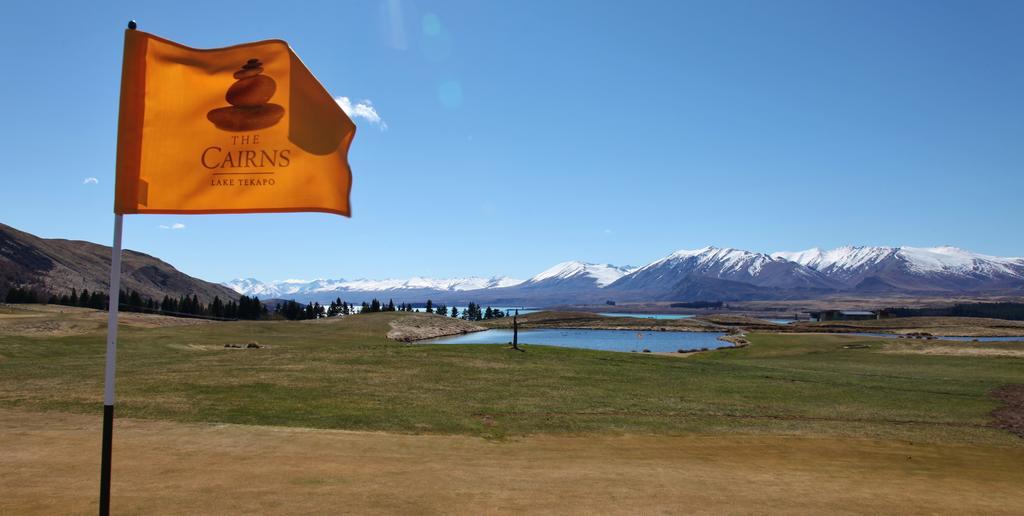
(515, 330)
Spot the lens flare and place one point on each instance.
(450, 94)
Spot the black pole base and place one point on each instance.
(108, 431)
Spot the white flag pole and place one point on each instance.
(108, 377)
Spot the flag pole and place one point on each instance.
(108, 377)
(111, 357)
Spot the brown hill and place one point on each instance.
(58, 265)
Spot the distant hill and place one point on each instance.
(58, 265)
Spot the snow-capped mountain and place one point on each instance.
(732, 265)
(571, 282)
(912, 268)
(321, 287)
(253, 287)
(418, 282)
(579, 274)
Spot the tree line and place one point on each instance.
(248, 308)
(1009, 311)
(472, 312)
(244, 307)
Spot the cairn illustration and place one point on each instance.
(249, 97)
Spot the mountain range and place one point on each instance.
(302, 288)
(706, 274)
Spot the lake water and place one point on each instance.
(509, 310)
(961, 339)
(605, 340)
(646, 316)
(676, 316)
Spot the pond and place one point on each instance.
(604, 340)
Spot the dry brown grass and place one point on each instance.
(60, 321)
(960, 349)
(50, 466)
(428, 326)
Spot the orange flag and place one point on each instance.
(242, 129)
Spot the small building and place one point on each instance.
(847, 315)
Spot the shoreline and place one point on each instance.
(423, 327)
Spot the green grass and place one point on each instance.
(345, 374)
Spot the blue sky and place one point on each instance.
(514, 135)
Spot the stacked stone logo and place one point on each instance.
(249, 97)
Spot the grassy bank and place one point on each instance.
(346, 374)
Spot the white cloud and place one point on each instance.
(363, 109)
(176, 225)
(90, 181)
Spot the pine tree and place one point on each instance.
(135, 301)
(455, 313)
(230, 309)
(217, 307)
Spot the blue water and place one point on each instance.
(961, 339)
(646, 316)
(605, 340)
(509, 310)
(676, 316)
